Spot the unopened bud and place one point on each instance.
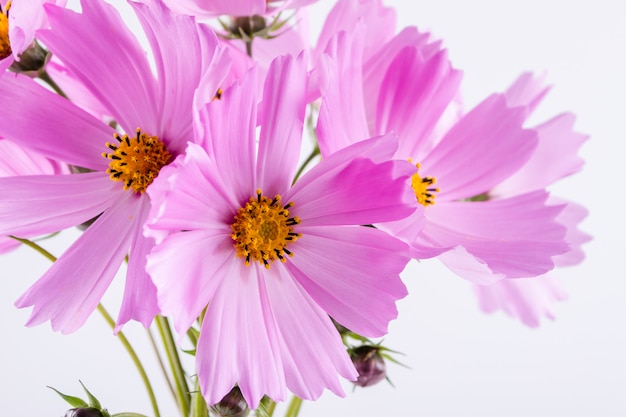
(32, 60)
(84, 412)
(369, 364)
(232, 405)
(247, 25)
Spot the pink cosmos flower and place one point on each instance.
(274, 260)
(15, 160)
(458, 162)
(18, 22)
(214, 8)
(155, 114)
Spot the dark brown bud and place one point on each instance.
(84, 412)
(247, 25)
(232, 405)
(369, 364)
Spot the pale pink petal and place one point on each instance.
(515, 237)
(486, 146)
(139, 302)
(26, 17)
(312, 351)
(349, 189)
(72, 288)
(179, 69)
(212, 8)
(528, 300)
(38, 204)
(282, 120)
(527, 91)
(555, 157)
(8, 244)
(342, 119)
(16, 160)
(352, 273)
(571, 217)
(107, 58)
(229, 134)
(202, 260)
(239, 340)
(80, 139)
(411, 106)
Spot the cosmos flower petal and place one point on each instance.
(355, 190)
(73, 286)
(515, 237)
(17, 160)
(25, 18)
(179, 69)
(527, 91)
(556, 137)
(58, 118)
(571, 216)
(352, 273)
(202, 258)
(528, 300)
(239, 334)
(465, 167)
(312, 351)
(203, 9)
(32, 205)
(411, 106)
(282, 119)
(115, 69)
(139, 302)
(234, 115)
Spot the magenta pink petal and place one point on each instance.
(352, 273)
(528, 300)
(282, 121)
(202, 262)
(312, 351)
(213, 8)
(38, 204)
(8, 244)
(140, 295)
(16, 160)
(72, 288)
(248, 353)
(56, 118)
(114, 68)
(486, 146)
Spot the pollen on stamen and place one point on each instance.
(262, 229)
(137, 160)
(5, 43)
(422, 186)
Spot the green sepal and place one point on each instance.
(73, 401)
(93, 401)
(191, 352)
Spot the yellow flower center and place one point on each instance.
(5, 44)
(137, 160)
(262, 229)
(424, 193)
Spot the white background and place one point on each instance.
(462, 363)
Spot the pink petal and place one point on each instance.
(571, 217)
(486, 146)
(114, 68)
(24, 19)
(38, 204)
(72, 288)
(202, 261)
(203, 8)
(515, 237)
(555, 157)
(16, 160)
(62, 132)
(140, 295)
(282, 120)
(350, 189)
(239, 340)
(527, 91)
(528, 300)
(352, 273)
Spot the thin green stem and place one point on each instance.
(157, 353)
(307, 161)
(294, 407)
(199, 406)
(182, 390)
(111, 322)
(142, 372)
(45, 77)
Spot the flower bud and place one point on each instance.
(84, 412)
(232, 405)
(32, 60)
(369, 364)
(247, 25)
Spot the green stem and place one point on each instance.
(45, 77)
(111, 323)
(199, 406)
(249, 47)
(142, 372)
(161, 364)
(182, 390)
(307, 161)
(294, 407)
